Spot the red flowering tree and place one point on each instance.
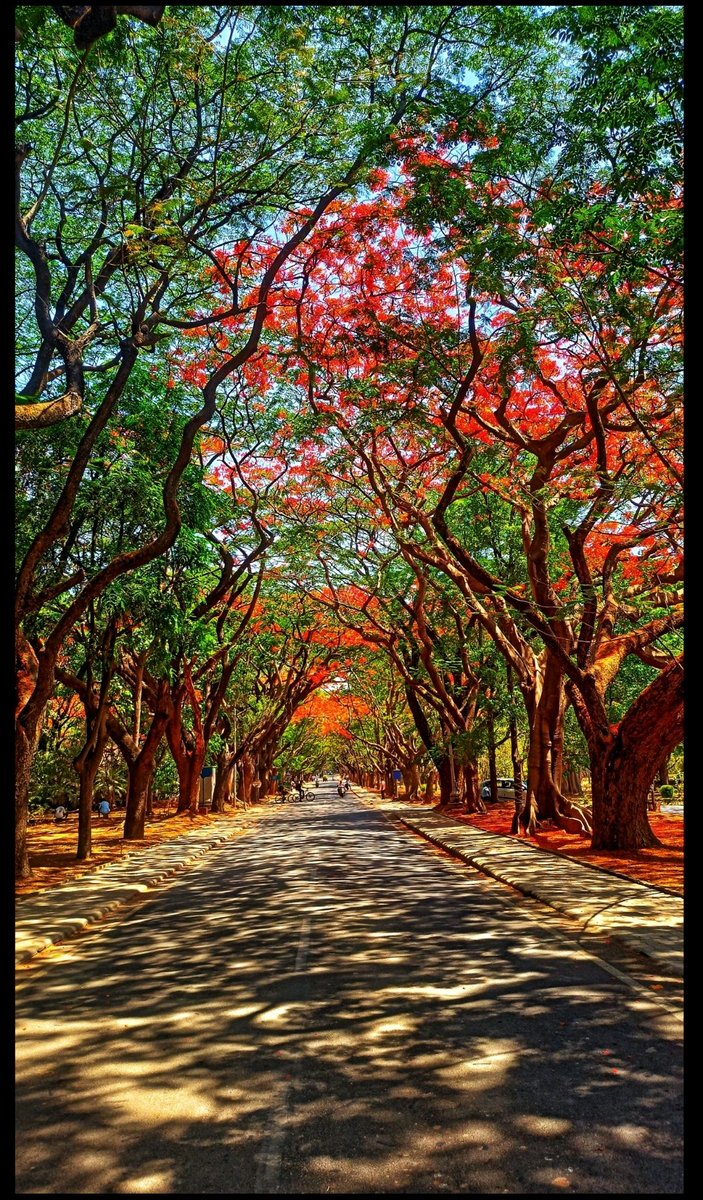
(442, 395)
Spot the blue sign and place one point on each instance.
(207, 772)
(397, 774)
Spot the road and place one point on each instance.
(330, 1005)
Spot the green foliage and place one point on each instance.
(164, 156)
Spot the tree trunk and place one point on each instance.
(24, 755)
(545, 758)
(444, 772)
(572, 780)
(472, 792)
(517, 773)
(429, 780)
(411, 781)
(141, 766)
(150, 797)
(189, 763)
(87, 764)
(141, 771)
(34, 682)
(222, 793)
(492, 770)
(546, 739)
(623, 770)
(247, 776)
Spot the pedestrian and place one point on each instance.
(383, 791)
(103, 809)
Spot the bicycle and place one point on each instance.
(294, 795)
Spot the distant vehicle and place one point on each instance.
(505, 789)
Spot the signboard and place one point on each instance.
(207, 772)
(397, 774)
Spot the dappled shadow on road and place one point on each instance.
(330, 1007)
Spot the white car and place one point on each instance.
(505, 789)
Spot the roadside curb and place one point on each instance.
(44, 909)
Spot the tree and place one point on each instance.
(552, 394)
(123, 198)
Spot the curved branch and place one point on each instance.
(47, 412)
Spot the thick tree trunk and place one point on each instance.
(492, 770)
(429, 781)
(411, 782)
(623, 770)
(222, 793)
(24, 756)
(34, 681)
(444, 772)
(472, 790)
(517, 774)
(141, 771)
(189, 764)
(546, 738)
(546, 757)
(247, 777)
(141, 766)
(87, 764)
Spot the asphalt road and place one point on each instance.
(330, 1005)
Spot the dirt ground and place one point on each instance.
(52, 845)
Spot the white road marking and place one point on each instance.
(268, 1174)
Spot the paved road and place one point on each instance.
(328, 1005)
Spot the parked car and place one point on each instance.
(505, 789)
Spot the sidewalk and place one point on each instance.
(59, 913)
(639, 917)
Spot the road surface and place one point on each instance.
(330, 1005)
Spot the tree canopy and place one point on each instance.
(349, 400)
